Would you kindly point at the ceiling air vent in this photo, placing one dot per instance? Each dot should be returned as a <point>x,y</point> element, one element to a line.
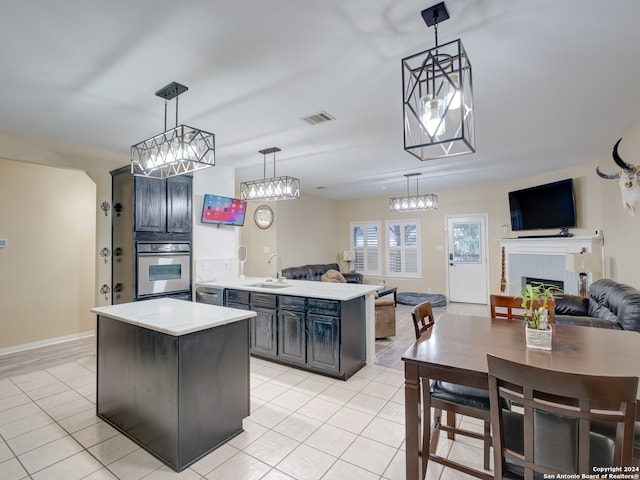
<point>316,118</point>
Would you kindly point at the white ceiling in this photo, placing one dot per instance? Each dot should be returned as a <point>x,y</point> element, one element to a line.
<point>556,82</point>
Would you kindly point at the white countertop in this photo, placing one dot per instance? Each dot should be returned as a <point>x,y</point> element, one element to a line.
<point>298,288</point>
<point>173,317</point>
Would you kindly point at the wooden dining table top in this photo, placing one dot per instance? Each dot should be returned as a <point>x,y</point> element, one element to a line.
<point>461,342</point>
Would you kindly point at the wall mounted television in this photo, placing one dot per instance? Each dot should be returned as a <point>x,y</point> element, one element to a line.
<point>551,205</point>
<point>223,210</point>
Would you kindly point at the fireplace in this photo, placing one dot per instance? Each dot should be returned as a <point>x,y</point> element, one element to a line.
<point>559,284</point>
<point>544,260</point>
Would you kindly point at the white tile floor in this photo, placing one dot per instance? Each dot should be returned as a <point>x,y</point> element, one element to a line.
<point>302,426</point>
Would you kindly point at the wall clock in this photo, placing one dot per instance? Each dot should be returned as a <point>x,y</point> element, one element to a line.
<point>263,216</point>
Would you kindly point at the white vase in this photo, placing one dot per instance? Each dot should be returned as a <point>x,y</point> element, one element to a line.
<point>539,339</point>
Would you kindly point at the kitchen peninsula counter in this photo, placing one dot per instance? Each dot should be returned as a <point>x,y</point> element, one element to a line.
<point>299,288</point>
<point>173,375</point>
<point>280,333</point>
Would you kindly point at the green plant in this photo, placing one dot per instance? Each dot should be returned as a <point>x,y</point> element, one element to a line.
<point>536,293</point>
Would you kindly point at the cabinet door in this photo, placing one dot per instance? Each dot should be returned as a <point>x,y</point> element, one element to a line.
<point>179,204</point>
<point>291,336</point>
<point>150,204</point>
<point>264,338</point>
<point>323,342</point>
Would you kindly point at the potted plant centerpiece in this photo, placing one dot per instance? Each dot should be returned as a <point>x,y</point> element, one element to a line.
<point>535,297</point>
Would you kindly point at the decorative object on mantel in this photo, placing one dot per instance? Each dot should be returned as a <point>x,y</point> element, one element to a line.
<point>438,97</point>
<point>629,180</point>
<point>538,331</point>
<point>411,203</point>
<point>105,207</point>
<point>582,263</point>
<point>105,290</point>
<point>105,253</point>
<point>181,150</point>
<point>349,256</point>
<point>274,188</point>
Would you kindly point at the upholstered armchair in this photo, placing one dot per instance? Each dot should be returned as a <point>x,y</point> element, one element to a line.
<point>385,317</point>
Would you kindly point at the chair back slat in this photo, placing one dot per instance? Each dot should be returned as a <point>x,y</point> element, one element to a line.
<point>423,319</point>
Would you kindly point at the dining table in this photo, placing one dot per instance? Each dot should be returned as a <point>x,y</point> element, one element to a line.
<point>455,350</point>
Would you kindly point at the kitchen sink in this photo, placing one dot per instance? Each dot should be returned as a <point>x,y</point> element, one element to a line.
<point>270,285</point>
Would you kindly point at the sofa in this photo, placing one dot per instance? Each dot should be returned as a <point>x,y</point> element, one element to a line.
<point>609,305</point>
<point>316,271</point>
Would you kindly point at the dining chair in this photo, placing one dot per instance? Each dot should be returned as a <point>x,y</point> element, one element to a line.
<point>552,434</point>
<point>453,399</point>
<point>509,307</point>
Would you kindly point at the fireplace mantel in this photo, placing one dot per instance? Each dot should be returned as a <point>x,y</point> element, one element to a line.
<point>551,245</point>
<point>538,257</point>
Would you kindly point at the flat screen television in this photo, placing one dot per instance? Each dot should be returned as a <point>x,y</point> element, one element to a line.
<point>551,205</point>
<point>223,210</point>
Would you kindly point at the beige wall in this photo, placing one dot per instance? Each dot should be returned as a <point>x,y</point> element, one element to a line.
<point>57,297</point>
<point>304,231</point>
<point>47,271</point>
<point>621,229</point>
<point>490,200</point>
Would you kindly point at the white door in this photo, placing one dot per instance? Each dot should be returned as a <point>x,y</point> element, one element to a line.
<point>467,257</point>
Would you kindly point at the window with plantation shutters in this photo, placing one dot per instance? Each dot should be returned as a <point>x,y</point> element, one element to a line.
<point>403,249</point>
<point>366,243</point>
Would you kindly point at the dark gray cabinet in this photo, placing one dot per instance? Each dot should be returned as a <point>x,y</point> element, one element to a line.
<point>323,342</point>
<point>324,336</point>
<point>323,339</point>
<point>236,299</point>
<point>150,204</point>
<point>179,204</point>
<point>163,205</point>
<point>264,327</point>
<point>178,397</point>
<point>292,330</point>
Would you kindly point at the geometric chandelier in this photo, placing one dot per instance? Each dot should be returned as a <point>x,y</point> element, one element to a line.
<point>274,188</point>
<point>182,149</point>
<point>438,97</point>
<point>412,203</point>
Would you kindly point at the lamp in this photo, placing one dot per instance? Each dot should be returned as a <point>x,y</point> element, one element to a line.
<point>410,203</point>
<point>182,149</point>
<point>349,256</point>
<point>274,188</point>
<point>582,264</point>
<point>438,97</point>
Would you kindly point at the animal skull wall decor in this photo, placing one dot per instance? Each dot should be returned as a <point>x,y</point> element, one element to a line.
<point>629,177</point>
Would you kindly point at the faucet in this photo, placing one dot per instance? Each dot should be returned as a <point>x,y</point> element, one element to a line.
<point>278,266</point>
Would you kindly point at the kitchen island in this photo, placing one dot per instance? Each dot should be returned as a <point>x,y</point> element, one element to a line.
<point>323,327</point>
<point>173,375</point>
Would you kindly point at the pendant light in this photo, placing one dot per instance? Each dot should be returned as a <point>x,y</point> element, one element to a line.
<point>274,188</point>
<point>438,97</point>
<point>182,149</point>
<point>411,203</point>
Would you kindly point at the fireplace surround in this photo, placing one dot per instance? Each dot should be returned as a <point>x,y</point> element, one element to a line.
<point>545,258</point>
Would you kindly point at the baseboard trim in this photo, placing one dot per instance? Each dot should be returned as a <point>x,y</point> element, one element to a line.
<point>46,343</point>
